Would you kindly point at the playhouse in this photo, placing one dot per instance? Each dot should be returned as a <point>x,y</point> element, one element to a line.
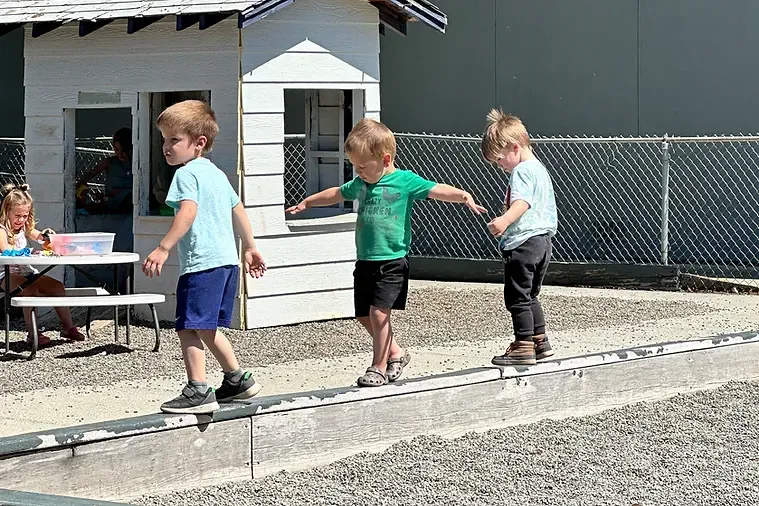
<point>137,57</point>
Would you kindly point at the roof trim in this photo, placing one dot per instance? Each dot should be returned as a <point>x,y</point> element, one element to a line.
<point>253,14</point>
<point>424,11</point>
<point>393,13</point>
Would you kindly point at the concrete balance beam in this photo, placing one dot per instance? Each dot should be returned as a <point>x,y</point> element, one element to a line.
<point>123,459</point>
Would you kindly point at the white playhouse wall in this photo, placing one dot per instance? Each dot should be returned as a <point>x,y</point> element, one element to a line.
<point>312,44</point>
<point>60,64</point>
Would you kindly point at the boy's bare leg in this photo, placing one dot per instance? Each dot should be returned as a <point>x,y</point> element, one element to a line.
<point>381,337</point>
<point>221,349</point>
<point>367,323</point>
<point>194,355</point>
<point>395,350</point>
<point>237,384</point>
<point>196,397</point>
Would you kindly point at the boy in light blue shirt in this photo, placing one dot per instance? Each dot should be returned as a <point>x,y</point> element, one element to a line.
<point>206,212</point>
<point>525,230</point>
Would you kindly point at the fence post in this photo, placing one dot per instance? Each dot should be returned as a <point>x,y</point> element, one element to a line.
<point>665,158</point>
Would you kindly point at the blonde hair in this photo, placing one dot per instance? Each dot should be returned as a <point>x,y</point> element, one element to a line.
<point>371,137</point>
<point>191,117</point>
<point>501,131</point>
<point>13,196</point>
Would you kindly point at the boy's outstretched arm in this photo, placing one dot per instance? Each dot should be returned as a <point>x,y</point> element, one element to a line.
<point>188,210</point>
<point>253,260</point>
<point>448,193</point>
<point>328,197</point>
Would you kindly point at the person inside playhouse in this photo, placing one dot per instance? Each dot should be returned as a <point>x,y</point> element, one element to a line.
<point>117,198</point>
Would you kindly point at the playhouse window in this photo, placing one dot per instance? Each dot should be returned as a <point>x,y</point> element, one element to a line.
<point>316,125</point>
<point>160,172</point>
<point>103,163</point>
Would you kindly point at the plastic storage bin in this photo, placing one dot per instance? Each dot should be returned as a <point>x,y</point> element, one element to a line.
<point>90,243</point>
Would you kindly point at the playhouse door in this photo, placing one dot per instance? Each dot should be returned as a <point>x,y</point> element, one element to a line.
<point>103,179</point>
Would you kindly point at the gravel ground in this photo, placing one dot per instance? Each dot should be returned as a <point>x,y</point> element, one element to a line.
<point>697,449</point>
<point>480,315</point>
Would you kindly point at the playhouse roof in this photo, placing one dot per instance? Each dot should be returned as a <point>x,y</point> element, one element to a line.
<point>46,15</point>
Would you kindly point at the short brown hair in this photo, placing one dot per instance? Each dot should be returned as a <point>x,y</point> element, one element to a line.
<point>191,117</point>
<point>501,131</point>
<point>371,137</point>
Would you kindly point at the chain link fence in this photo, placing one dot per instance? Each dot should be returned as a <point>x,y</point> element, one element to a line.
<point>12,156</point>
<point>89,152</point>
<point>687,201</point>
<point>295,169</point>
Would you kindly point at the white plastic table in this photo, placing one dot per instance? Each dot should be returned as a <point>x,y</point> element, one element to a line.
<point>50,262</point>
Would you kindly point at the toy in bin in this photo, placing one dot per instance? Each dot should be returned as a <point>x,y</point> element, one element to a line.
<point>89,243</point>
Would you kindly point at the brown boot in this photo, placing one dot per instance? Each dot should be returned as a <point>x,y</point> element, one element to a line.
<point>518,353</point>
<point>542,347</point>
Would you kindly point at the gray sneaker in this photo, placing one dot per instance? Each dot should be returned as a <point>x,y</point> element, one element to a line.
<point>190,401</point>
<point>245,389</point>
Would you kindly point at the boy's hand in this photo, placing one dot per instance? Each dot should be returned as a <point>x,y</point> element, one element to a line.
<point>498,226</point>
<point>471,204</point>
<point>296,209</point>
<point>254,263</point>
<point>154,262</point>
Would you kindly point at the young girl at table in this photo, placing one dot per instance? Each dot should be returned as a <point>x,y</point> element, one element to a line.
<point>16,229</point>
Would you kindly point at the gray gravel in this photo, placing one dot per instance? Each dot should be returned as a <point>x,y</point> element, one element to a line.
<point>698,449</point>
<point>479,315</point>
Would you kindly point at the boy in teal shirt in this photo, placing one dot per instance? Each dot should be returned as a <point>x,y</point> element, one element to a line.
<point>385,195</point>
<point>207,213</point>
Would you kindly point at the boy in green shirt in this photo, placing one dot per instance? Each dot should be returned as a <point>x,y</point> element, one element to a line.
<point>385,196</point>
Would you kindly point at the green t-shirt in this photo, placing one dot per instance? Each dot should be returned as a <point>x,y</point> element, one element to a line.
<point>383,227</point>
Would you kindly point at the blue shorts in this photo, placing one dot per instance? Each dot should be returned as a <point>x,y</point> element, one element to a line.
<point>206,299</point>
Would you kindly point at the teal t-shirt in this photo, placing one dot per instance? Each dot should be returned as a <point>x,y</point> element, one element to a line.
<point>383,227</point>
<point>210,242</point>
<point>531,182</point>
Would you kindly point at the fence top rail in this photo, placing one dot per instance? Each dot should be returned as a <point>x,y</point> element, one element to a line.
<point>594,140</point>
<point>94,150</point>
<point>79,139</point>
<point>536,140</point>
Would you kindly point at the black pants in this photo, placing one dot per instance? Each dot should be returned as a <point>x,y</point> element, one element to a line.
<point>524,270</point>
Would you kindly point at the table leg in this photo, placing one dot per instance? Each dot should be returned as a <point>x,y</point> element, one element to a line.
<point>128,308</point>
<point>35,335</point>
<point>116,308</point>
<point>7,300</point>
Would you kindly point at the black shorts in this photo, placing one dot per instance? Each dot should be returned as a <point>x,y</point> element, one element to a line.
<point>382,284</point>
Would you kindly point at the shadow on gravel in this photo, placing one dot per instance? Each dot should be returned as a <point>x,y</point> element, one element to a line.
<point>24,348</point>
<point>106,349</point>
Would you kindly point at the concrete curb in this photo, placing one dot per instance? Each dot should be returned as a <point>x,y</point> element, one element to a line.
<point>122,459</point>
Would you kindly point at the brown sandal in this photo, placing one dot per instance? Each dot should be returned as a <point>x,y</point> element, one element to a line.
<point>372,378</point>
<point>395,366</point>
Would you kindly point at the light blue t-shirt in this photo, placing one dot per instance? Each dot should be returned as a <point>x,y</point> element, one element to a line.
<point>530,182</point>
<point>210,242</point>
